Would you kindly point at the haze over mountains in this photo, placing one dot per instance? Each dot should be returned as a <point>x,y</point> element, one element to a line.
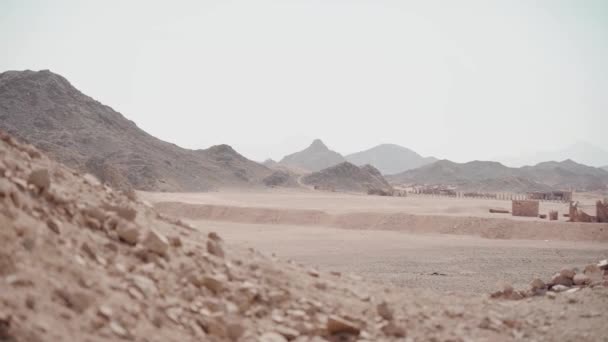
<point>390,158</point>
<point>493,176</point>
<point>44,109</point>
<point>315,157</point>
<point>580,152</point>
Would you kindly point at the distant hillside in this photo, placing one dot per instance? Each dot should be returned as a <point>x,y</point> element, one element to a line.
<point>348,177</point>
<point>493,176</point>
<point>581,152</point>
<point>604,167</point>
<point>315,157</point>
<point>44,109</point>
<point>390,158</point>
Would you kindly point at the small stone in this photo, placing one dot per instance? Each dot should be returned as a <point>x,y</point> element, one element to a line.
<point>272,337</point>
<point>144,284</point>
<point>175,241</point>
<point>214,236</point>
<point>40,179</point>
<point>287,332</point>
<point>5,326</point>
<point>603,264</point>
<point>118,329</point>
<point>75,300</point>
<point>313,273</point>
<point>235,330</point>
<point>156,242</point>
<point>30,302</point>
<point>337,325</point>
<point>559,288</point>
<point>128,232</point>
<point>105,311</point>
<point>567,272</point>
<point>54,225</point>
<point>551,295</point>
<point>335,273</point>
<point>572,290</point>
<point>391,329</point>
<point>384,311</point>
<point>92,180</point>
<point>559,279</point>
<point>537,284</point>
<point>214,248</point>
<point>581,279</point>
<point>214,284</point>
<point>87,250</point>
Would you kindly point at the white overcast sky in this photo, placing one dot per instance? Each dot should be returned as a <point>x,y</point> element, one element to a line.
<point>455,79</point>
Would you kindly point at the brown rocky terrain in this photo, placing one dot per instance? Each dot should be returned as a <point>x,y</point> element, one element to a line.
<point>493,176</point>
<point>83,262</point>
<point>45,110</point>
<point>348,177</point>
<point>390,158</point>
<point>315,157</point>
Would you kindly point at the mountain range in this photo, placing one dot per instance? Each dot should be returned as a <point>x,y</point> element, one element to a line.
<point>581,152</point>
<point>45,110</point>
<point>492,176</point>
<point>387,158</point>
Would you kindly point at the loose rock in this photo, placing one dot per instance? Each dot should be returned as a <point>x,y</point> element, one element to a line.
<point>336,325</point>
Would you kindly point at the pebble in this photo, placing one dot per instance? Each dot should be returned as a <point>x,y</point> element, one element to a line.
<point>155,242</point>
<point>40,179</point>
<point>567,272</point>
<point>118,329</point>
<point>391,329</point>
<point>581,279</point>
<point>54,225</point>
<point>384,311</point>
<point>272,337</point>
<point>559,288</point>
<point>128,232</point>
<point>337,325</point>
<point>214,248</point>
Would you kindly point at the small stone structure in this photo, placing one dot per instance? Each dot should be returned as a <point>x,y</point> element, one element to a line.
<point>553,215</point>
<point>578,215</point>
<point>602,211</point>
<point>524,208</point>
<point>563,196</point>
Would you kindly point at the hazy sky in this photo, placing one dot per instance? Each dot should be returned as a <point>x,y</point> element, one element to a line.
<point>454,79</point>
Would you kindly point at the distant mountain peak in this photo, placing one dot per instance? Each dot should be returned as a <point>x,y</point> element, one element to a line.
<point>389,158</point>
<point>315,157</point>
<point>318,144</point>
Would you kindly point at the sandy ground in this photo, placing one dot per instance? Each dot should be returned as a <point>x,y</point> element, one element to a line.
<point>339,203</point>
<point>421,242</point>
<point>463,264</point>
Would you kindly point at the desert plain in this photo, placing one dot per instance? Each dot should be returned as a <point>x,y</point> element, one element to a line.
<point>452,245</point>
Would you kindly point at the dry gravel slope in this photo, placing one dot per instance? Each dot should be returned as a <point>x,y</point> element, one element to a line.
<point>44,109</point>
<point>83,262</point>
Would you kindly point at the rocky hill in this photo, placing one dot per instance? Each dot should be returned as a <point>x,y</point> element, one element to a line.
<point>390,159</point>
<point>348,177</point>
<point>315,157</point>
<point>44,109</point>
<point>493,176</point>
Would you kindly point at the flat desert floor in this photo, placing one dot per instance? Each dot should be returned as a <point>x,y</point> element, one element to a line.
<point>443,244</point>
